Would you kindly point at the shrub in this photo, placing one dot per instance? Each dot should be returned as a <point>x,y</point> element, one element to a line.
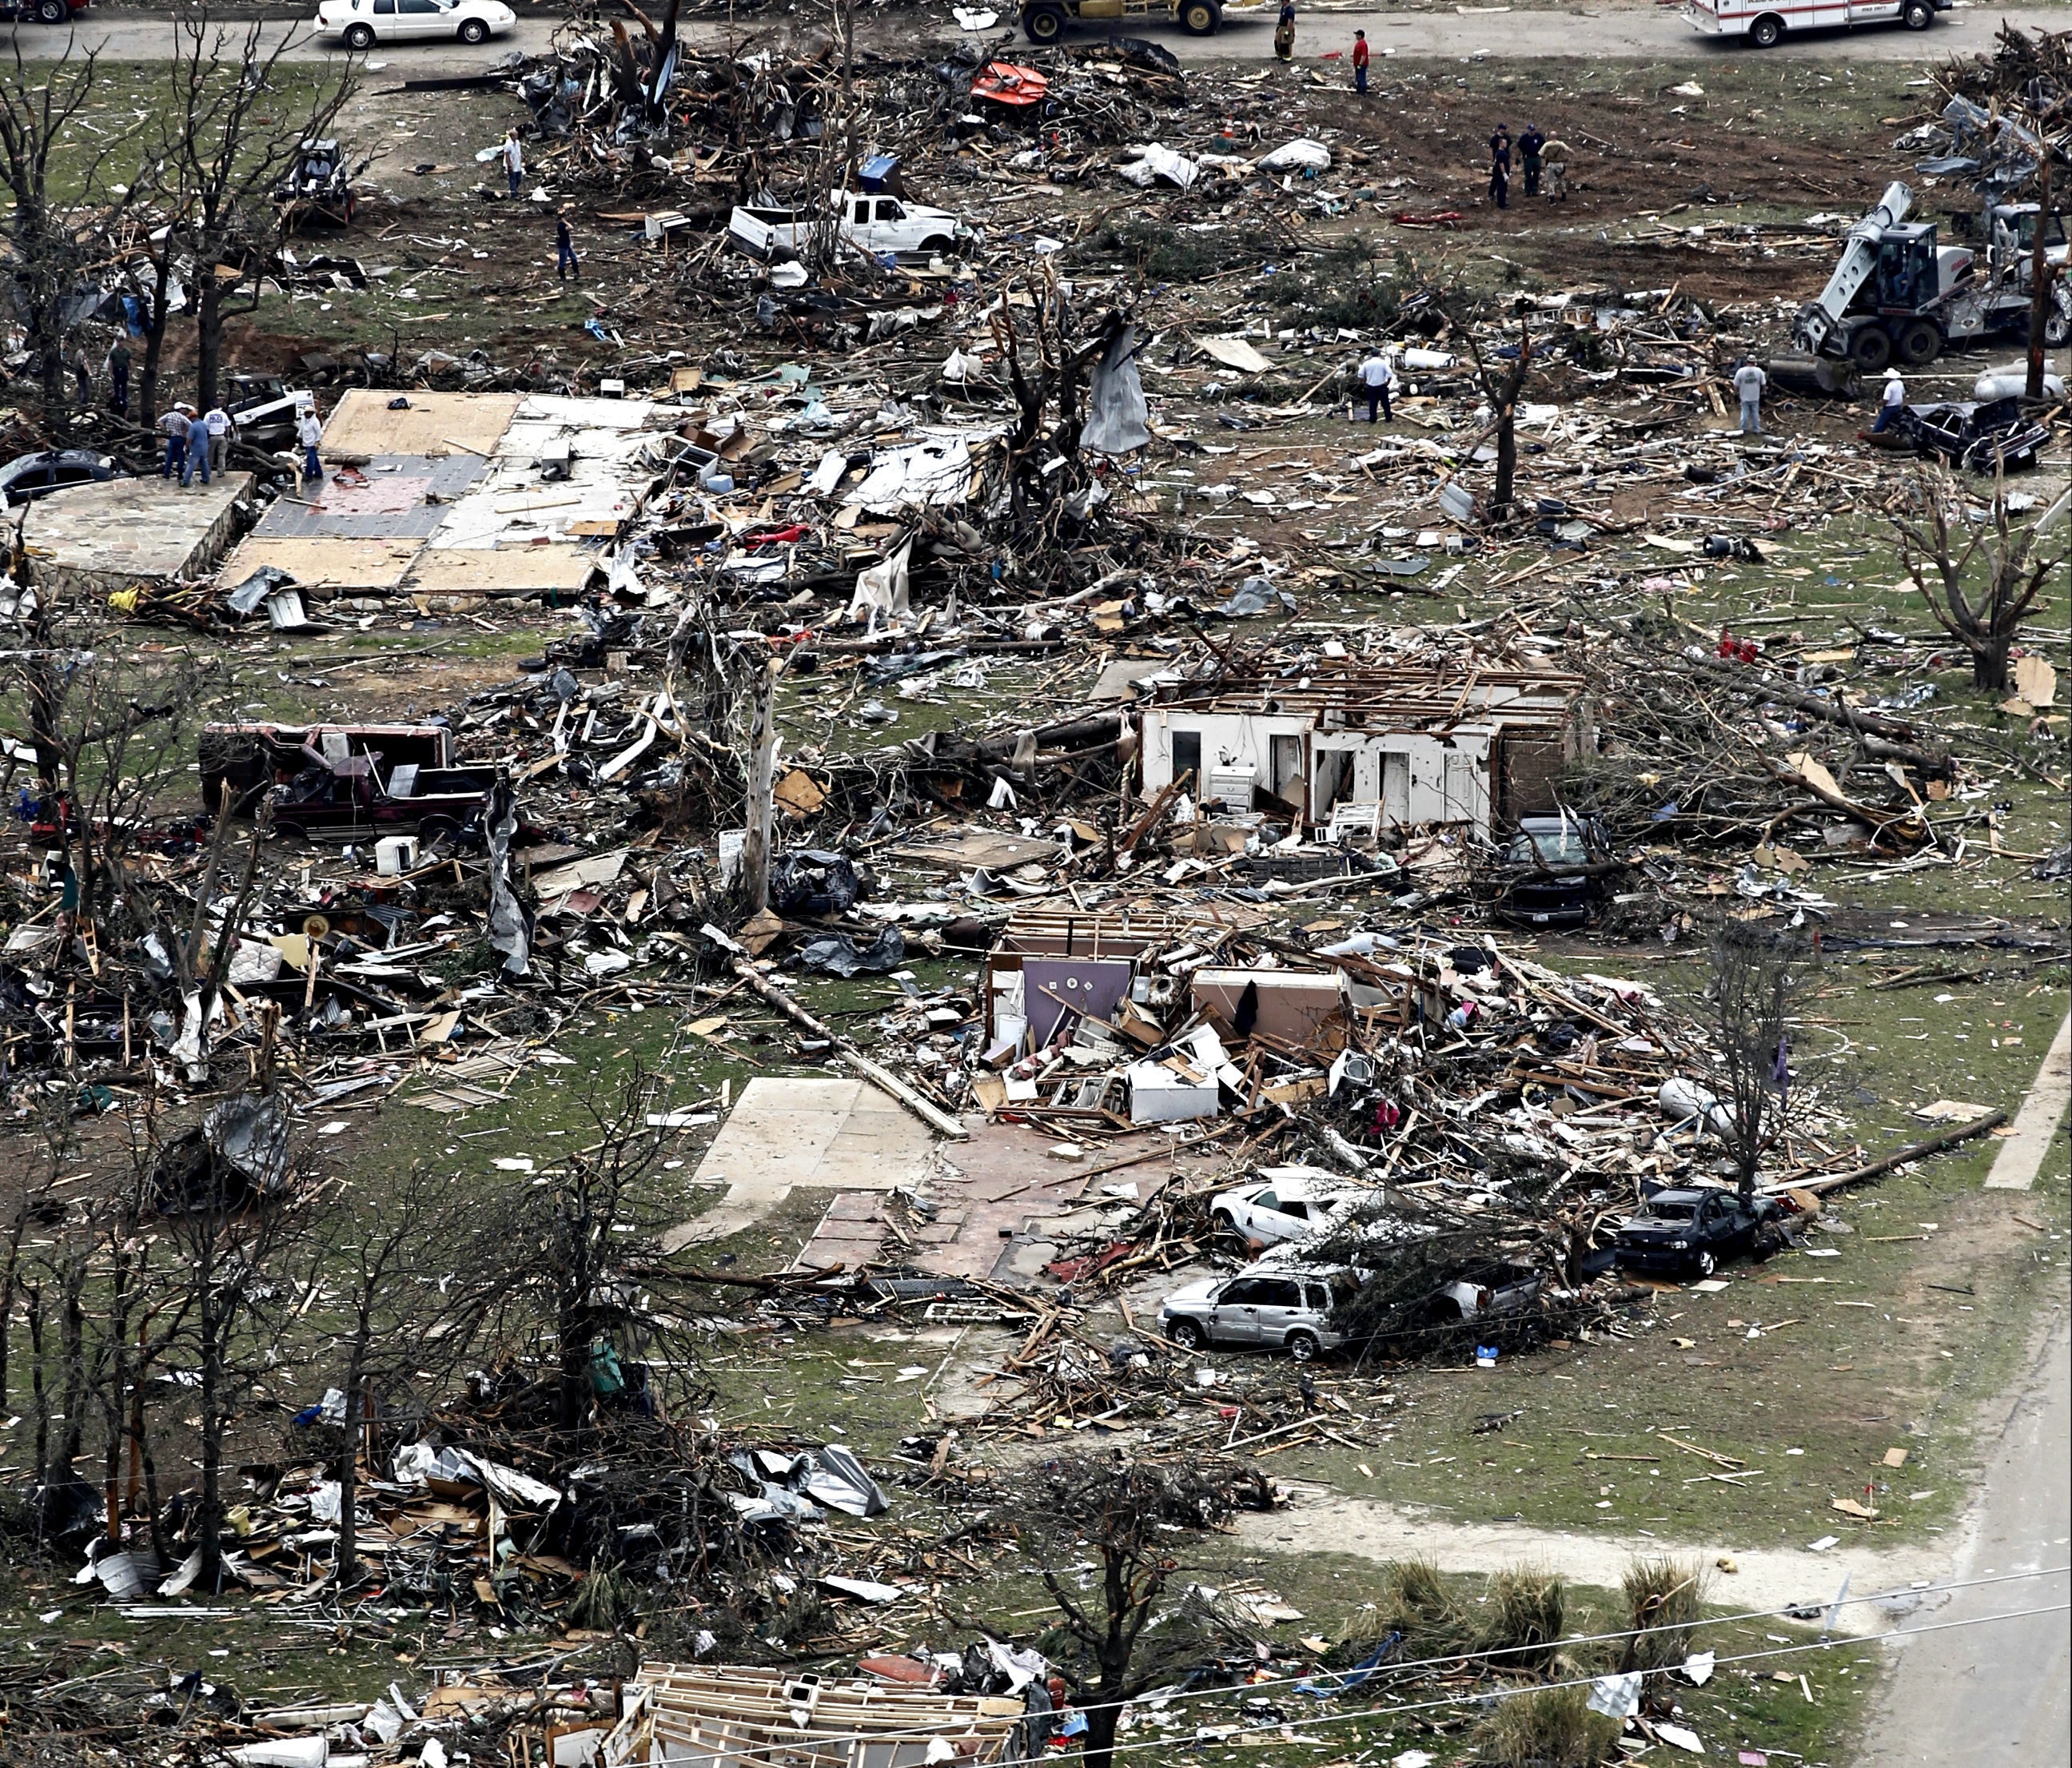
<point>1549,1727</point>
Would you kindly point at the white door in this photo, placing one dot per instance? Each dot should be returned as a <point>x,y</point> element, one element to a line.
<point>419,18</point>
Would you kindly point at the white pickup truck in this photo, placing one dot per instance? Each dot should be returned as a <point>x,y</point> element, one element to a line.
<point>872,223</point>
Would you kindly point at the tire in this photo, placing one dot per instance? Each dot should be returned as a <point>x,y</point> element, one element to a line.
<point>1188,1334</point>
<point>1765,32</point>
<point>1044,24</point>
<point>360,37</point>
<point>473,31</point>
<point>1871,349</point>
<point>1919,344</point>
<point>1917,15</point>
<point>438,835</point>
<point>1707,1265</point>
<point>52,12</point>
<point>1303,1347</point>
<point>1200,17</point>
<point>938,244</point>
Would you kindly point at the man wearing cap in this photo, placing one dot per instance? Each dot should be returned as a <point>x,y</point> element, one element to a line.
<point>1529,146</point>
<point>1749,382</point>
<point>176,423</point>
<point>309,433</point>
<point>1890,402</point>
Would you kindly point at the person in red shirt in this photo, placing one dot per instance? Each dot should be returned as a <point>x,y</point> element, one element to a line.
<point>1359,62</point>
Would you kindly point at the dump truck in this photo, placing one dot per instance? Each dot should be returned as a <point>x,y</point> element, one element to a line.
<point>1044,21</point>
<point>1898,296</point>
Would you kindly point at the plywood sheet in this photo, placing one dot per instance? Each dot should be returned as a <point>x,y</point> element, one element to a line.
<point>477,571</point>
<point>436,423</point>
<point>338,564</point>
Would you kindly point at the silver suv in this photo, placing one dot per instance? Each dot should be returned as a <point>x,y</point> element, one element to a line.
<point>1256,1309</point>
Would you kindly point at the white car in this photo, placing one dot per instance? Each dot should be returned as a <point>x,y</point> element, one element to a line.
<point>361,24</point>
<point>1291,1202</point>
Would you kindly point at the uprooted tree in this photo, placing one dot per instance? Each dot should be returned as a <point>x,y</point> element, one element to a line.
<point>1981,578</point>
<point>1123,1515</point>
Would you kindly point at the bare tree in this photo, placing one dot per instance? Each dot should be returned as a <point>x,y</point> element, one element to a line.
<point>1124,1514</point>
<point>53,239</point>
<point>1755,982</point>
<point>232,138</point>
<point>109,733</point>
<point>580,1249</point>
<point>1502,380</point>
<point>2005,589</point>
<point>407,1273</point>
<point>234,1247</point>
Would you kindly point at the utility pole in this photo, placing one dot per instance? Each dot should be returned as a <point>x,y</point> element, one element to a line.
<point>762,755</point>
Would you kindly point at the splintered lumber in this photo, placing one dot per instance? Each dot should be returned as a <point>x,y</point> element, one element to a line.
<point>930,1113</point>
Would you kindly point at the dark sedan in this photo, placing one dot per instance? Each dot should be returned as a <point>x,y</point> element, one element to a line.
<point>27,477</point>
<point>1684,1233</point>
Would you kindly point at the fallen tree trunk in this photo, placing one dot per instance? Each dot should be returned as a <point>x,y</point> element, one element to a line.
<point>1935,1145</point>
<point>927,1110</point>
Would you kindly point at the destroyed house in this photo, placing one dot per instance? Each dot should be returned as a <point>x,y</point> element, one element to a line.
<point>1485,745</point>
<point>742,1718</point>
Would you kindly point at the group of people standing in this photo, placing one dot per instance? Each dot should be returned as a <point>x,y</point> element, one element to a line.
<point>1538,156</point>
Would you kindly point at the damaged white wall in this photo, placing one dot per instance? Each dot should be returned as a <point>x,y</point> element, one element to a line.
<point>1417,777</point>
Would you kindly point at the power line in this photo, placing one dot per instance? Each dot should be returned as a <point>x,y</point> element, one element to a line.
<point>1489,1697</point>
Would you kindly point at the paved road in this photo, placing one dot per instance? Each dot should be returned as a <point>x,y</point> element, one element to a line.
<point>1995,1696</point>
<point>2022,1155</point>
<point>1645,32</point>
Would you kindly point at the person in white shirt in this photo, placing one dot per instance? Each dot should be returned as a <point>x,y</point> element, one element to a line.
<point>309,433</point>
<point>1749,382</point>
<point>217,422</point>
<point>1889,403</point>
<point>1378,377</point>
<point>514,160</point>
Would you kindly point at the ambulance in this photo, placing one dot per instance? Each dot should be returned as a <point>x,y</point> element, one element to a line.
<point>1764,22</point>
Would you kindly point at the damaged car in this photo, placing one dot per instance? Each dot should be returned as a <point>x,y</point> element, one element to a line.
<point>1689,1233</point>
<point>1255,1310</point>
